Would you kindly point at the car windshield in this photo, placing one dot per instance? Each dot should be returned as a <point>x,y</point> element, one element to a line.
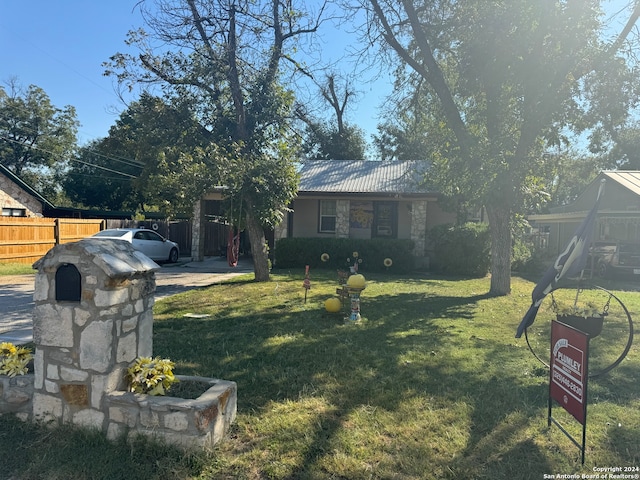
<point>111,233</point>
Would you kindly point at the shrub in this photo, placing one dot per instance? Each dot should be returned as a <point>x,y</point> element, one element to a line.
<point>14,360</point>
<point>153,376</point>
<point>298,252</point>
<point>461,250</point>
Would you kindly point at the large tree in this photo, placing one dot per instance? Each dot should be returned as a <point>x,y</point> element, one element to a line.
<point>226,58</point>
<point>336,139</point>
<point>34,134</point>
<point>120,171</point>
<point>506,79</point>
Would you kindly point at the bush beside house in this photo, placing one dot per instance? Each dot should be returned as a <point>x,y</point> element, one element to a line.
<point>461,250</point>
<point>297,252</point>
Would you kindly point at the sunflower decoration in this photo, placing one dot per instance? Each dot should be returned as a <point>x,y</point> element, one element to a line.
<point>324,257</point>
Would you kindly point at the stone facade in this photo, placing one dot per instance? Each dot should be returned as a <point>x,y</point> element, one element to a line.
<point>16,394</point>
<point>199,422</point>
<point>419,227</point>
<point>89,329</point>
<point>92,318</point>
<point>12,196</point>
<point>197,232</point>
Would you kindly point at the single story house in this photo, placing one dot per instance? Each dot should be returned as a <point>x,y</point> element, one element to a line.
<point>357,199</point>
<point>618,218</point>
<point>18,199</point>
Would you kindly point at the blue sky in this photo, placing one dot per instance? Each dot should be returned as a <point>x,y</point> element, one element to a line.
<point>60,46</point>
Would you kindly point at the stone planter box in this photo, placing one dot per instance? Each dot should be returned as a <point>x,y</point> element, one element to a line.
<point>16,394</point>
<point>93,316</point>
<point>186,423</point>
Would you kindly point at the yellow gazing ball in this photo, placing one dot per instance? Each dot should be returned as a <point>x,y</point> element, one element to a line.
<point>356,281</point>
<point>332,305</point>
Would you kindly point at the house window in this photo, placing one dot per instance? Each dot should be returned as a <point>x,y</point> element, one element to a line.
<point>14,212</point>
<point>385,220</point>
<point>327,218</point>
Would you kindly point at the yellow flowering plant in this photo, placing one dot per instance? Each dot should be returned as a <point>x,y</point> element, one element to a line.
<point>14,360</point>
<point>586,310</point>
<point>152,376</point>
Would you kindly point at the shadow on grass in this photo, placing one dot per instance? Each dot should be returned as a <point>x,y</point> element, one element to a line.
<point>403,352</point>
<point>430,378</point>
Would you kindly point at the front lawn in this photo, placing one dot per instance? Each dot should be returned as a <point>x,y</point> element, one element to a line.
<point>431,384</point>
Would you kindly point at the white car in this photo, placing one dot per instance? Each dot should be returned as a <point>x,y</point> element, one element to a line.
<point>153,245</point>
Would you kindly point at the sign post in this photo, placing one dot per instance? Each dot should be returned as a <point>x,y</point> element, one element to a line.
<point>569,376</point>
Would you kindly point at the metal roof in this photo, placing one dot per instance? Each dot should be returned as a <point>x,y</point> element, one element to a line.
<point>362,176</point>
<point>627,178</point>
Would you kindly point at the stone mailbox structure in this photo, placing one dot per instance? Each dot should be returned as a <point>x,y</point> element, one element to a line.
<point>92,318</point>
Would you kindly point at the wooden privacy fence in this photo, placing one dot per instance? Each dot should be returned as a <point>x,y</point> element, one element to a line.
<point>25,240</point>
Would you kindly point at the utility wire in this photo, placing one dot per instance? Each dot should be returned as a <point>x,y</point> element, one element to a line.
<point>118,158</point>
<point>71,159</point>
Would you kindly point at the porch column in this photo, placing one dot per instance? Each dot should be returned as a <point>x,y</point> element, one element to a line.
<point>419,227</point>
<point>342,218</point>
<point>197,232</point>
<point>280,230</point>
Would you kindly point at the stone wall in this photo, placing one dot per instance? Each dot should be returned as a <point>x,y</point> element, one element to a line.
<point>92,318</point>
<point>199,422</point>
<point>84,347</point>
<point>419,227</point>
<point>16,394</point>
<point>12,196</point>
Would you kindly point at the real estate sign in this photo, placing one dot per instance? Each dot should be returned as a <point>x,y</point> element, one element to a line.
<point>569,366</point>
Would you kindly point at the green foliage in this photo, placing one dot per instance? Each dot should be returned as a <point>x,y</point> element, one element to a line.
<point>16,268</point>
<point>429,385</point>
<point>500,84</point>
<point>34,133</point>
<point>229,74</point>
<point>152,376</point>
<point>461,250</point>
<point>14,360</point>
<point>293,253</point>
<point>144,163</point>
<point>326,142</point>
<point>37,139</point>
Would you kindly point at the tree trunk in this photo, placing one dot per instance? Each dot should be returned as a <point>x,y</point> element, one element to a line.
<point>499,223</point>
<point>259,250</point>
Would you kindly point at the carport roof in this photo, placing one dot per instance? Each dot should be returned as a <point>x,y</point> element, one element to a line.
<point>362,176</point>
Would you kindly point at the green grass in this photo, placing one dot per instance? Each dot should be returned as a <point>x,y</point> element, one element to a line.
<point>431,384</point>
<point>16,269</point>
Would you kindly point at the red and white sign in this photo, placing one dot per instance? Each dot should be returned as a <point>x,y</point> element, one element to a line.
<point>569,365</point>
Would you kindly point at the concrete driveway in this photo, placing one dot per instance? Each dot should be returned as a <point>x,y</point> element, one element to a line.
<point>16,291</point>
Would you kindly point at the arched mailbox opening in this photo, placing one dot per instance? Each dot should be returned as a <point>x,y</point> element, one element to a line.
<point>68,283</point>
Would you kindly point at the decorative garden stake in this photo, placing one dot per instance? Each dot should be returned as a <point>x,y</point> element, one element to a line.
<point>355,284</point>
<point>307,282</point>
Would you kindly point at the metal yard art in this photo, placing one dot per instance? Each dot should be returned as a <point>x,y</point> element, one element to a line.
<point>583,342</point>
<point>579,315</point>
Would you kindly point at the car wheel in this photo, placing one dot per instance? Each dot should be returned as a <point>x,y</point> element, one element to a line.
<point>602,270</point>
<point>173,255</point>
